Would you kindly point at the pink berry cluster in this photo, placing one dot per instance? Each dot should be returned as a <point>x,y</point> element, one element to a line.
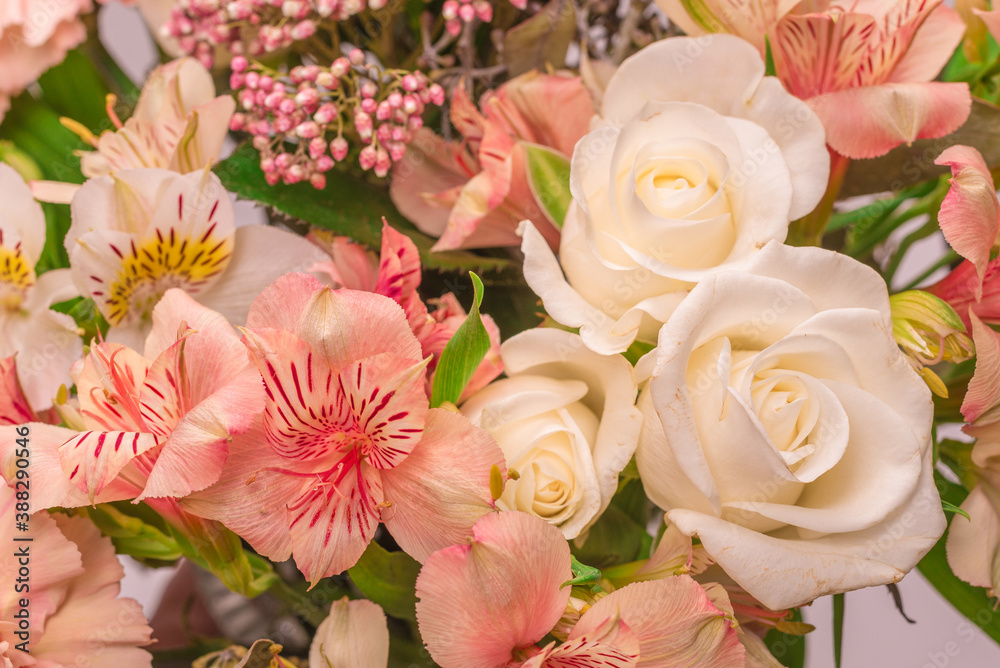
<point>299,120</point>
<point>253,27</point>
<point>459,12</point>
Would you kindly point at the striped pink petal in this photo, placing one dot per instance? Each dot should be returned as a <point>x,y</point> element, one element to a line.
<point>983,394</point>
<point>14,408</point>
<point>92,459</point>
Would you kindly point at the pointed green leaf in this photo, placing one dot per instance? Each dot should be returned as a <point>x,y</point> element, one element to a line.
<point>787,648</point>
<point>461,357</point>
<point>548,178</point>
<point>952,508</point>
<point>389,579</point>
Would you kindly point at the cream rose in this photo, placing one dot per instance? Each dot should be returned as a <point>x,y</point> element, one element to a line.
<point>566,421</point>
<point>785,429</point>
<point>687,173</point>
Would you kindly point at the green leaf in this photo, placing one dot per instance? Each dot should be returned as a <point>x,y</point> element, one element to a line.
<point>548,178</point>
<point>906,166</point>
<point>789,649</point>
<point>541,41</point>
<point>973,602</point>
<point>838,628</point>
<point>217,549</point>
<point>74,89</point>
<point>133,536</point>
<point>952,508</point>
<point>389,579</point>
<point>582,575</point>
<point>769,69</point>
<point>347,206</point>
<point>614,539</point>
<point>462,355</point>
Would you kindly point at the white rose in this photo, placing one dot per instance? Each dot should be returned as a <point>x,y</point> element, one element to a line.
<point>698,160</point>
<point>566,421</point>
<point>785,429</point>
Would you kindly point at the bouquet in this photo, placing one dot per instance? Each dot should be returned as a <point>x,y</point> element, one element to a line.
<point>578,333</point>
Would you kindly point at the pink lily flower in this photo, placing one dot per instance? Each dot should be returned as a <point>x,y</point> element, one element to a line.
<point>32,41</point>
<point>865,67</point>
<point>76,615</point>
<point>474,193</point>
<point>487,602</point>
<point>155,424</point>
<point>140,232</point>
<point>347,439</point>
<point>397,275</point>
<point>45,342</point>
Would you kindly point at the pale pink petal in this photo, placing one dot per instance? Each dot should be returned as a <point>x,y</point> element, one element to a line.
<point>960,288</point>
<point>55,192</point>
<point>353,634</point>
<point>172,90</point>
<point>25,57</point>
<point>14,408</point>
<point>443,487</point>
<point>970,213</point>
<point>499,592</point>
<point>464,115</point>
<point>51,487</point>
<point>992,21</point>
<point>973,544</point>
<point>94,625</point>
<point>483,193</point>
<point>984,388</point>
<point>676,623</point>
<point>549,109</point>
<point>431,166</point>
<point>351,265</point>
<point>332,524</point>
<point>821,53</point>
<point>92,459</point>
<point>399,274</point>
<point>870,121</point>
<point>612,645</point>
<point>283,304</point>
<point>22,222</point>
<point>934,43</point>
<point>112,370</point>
<point>252,495</point>
<point>211,124</point>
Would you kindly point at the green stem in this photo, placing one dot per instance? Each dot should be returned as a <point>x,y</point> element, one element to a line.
<point>838,628</point>
<point>808,230</point>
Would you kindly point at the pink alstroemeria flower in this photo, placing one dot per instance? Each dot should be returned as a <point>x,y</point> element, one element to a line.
<point>866,67</point>
<point>970,220</point>
<point>156,424</point>
<point>347,439</point>
<point>45,342</point>
<point>474,193</point>
<point>397,275</point>
<point>33,39</point>
<point>76,615</point>
<point>487,602</point>
<point>14,406</point>
<point>140,232</point>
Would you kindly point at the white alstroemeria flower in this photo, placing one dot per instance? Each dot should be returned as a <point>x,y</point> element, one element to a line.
<point>566,421</point>
<point>44,342</point>
<point>140,232</point>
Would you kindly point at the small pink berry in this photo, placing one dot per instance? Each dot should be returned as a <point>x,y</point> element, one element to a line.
<point>449,10</point>
<point>437,94</point>
<point>367,157</point>
<point>324,163</point>
<point>340,67</point>
<point>410,83</point>
<point>318,181</point>
<point>368,105</point>
<point>327,80</point>
<point>326,113</point>
<point>466,13</point>
<point>308,130</point>
<point>357,57</point>
<point>252,79</point>
<point>338,148</point>
<point>237,122</point>
<point>368,89</point>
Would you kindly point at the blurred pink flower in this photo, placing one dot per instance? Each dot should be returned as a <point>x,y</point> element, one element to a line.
<point>76,616</point>
<point>867,70</point>
<point>347,439</point>
<point>473,193</point>
<point>34,37</point>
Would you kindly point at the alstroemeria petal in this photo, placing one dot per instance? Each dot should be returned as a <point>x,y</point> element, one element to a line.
<point>481,601</point>
<point>870,121</point>
<point>970,213</point>
<point>51,487</point>
<point>14,408</point>
<point>93,459</point>
<point>22,222</point>
<point>611,645</point>
<point>983,394</point>
<point>332,524</point>
<point>353,634</point>
<point>973,544</point>
<point>676,624</point>
<point>443,487</point>
<point>931,47</point>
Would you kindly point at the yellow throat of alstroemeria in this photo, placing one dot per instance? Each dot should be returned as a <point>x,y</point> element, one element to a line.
<point>16,277</point>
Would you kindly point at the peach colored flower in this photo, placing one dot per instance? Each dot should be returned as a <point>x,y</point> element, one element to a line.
<point>347,438</point>
<point>866,67</point>
<point>473,193</point>
<point>76,616</point>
